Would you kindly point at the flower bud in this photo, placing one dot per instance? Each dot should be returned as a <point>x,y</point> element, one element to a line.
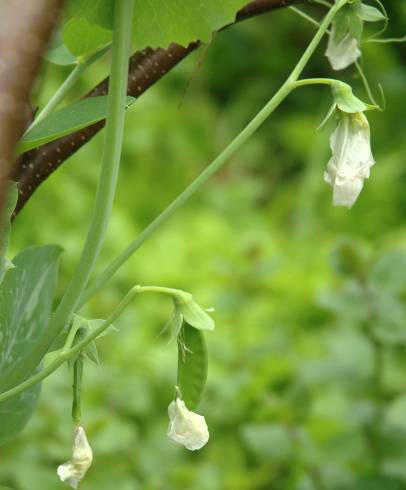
<point>351,158</point>
<point>192,313</point>
<point>75,469</point>
<point>186,427</point>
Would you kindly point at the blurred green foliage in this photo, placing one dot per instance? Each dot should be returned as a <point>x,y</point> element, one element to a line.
<point>307,371</point>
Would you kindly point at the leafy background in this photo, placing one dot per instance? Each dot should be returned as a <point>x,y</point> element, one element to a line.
<point>307,384</point>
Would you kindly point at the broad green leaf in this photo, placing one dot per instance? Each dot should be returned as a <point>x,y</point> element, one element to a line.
<point>5,227</point>
<point>99,12</point>
<point>16,412</point>
<point>83,38</point>
<point>157,23</point>
<point>192,365</point>
<point>60,55</point>
<point>71,118</point>
<point>26,297</point>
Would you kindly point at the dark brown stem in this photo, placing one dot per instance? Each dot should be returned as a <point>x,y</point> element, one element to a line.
<point>25,28</point>
<point>146,68</point>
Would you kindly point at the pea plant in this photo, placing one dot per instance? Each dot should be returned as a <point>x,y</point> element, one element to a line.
<point>35,143</point>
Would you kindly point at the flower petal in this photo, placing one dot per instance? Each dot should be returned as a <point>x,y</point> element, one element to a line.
<point>351,158</point>
<point>75,469</point>
<point>186,427</point>
<point>342,53</point>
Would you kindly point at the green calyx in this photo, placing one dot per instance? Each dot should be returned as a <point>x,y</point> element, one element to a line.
<point>191,312</point>
<point>345,99</point>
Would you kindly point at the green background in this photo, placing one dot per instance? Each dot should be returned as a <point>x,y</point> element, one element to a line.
<point>307,369</point>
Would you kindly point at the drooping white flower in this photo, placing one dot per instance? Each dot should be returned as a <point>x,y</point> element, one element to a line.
<point>351,158</point>
<point>75,469</point>
<point>186,427</point>
<point>342,52</point>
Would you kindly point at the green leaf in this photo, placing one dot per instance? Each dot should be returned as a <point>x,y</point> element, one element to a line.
<point>83,38</point>
<point>16,412</point>
<point>99,12</point>
<point>371,14</point>
<point>5,227</point>
<point>192,365</point>
<point>26,297</point>
<point>157,23</point>
<point>60,55</point>
<point>71,118</point>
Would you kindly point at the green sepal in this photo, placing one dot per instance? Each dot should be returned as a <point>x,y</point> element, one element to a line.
<point>345,99</point>
<point>192,313</point>
<point>371,14</point>
<point>348,20</point>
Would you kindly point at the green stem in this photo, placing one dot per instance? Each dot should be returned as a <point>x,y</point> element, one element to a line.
<point>302,14</point>
<point>65,355</point>
<point>157,289</point>
<point>323,2</point>
<point>71,298</point>
<point>104,196</point>
<point>71,79</point>
<point>230,150</point>
<point>387,40</point>
<point>77,389</point>
<point>314,81</point>
<point>69,351</point>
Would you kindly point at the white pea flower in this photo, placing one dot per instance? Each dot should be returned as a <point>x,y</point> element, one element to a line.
<point>342,53</point>
<point>75,469</point>
<point>186,427</point>
<point>351,158</point>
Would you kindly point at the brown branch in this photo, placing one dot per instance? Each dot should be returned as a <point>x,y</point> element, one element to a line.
<point>25,27</point>
<point>146,68</point>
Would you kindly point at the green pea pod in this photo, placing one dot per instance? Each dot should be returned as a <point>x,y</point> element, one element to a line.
<point>192,365</point>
